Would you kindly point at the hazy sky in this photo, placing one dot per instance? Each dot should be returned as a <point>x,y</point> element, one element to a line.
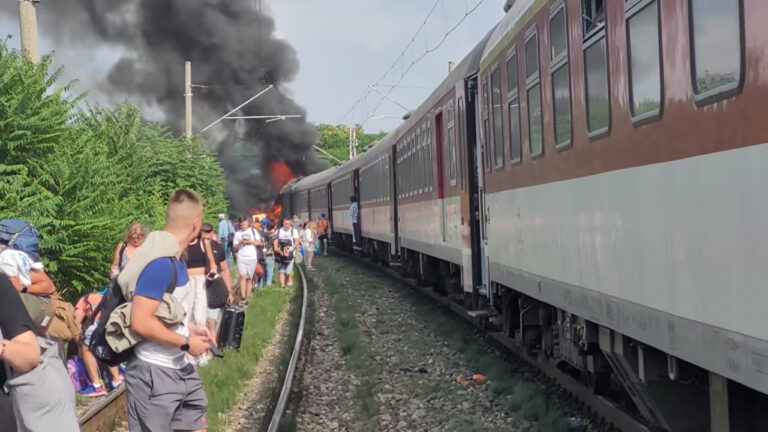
<point>343,46</point>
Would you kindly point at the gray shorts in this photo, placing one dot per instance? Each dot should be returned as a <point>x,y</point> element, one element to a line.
<point>162,399</point>
<point>286,267</point>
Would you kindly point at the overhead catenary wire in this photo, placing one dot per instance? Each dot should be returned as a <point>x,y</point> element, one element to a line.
<point>238,107</point>
<point>467,13</point>
<point>414,61</point>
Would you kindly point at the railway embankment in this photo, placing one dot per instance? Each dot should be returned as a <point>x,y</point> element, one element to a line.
<point>383,359</point>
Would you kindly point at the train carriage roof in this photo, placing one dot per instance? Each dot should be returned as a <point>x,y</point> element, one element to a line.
<point>513,22</point>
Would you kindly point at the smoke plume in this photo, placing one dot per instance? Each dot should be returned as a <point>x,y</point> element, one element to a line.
<point>234,53</point>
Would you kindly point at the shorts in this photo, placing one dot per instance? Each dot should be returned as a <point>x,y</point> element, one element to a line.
<point>162,399</point>
<point>213,314</point>
<point>246,267</point>
<point>286,267</point>
<point>323,236</point>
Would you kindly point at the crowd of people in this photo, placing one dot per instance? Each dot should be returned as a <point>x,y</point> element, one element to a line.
<point>50,349</point>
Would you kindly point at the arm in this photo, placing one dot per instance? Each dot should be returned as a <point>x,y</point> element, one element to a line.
<point>41,283</point>
<point>22,353</point>
<point>227,278</point>
<point>209,256</point>
<point>115,268</point>
<point>146,325</point>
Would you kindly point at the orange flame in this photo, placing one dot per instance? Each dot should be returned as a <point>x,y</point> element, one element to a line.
<point>277,212</point>
<point>280,174</point>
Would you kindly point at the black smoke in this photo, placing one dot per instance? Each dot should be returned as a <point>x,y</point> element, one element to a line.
<point>234,52</point>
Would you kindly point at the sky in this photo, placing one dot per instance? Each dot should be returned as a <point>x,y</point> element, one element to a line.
<point>343,47</point>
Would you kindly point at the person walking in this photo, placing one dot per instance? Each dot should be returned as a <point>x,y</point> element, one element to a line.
<point>226,234</point>
<point>285,243</point>
<point>220,260</point>
<point>164,391</point>
<point>309,243</point>
<point>84,314</point>
<point>135,233</point>
<point>246,242</point>
<point>322,232</point>
<point>268,250</point>
<point>355,216</point>
<point>40,395</point>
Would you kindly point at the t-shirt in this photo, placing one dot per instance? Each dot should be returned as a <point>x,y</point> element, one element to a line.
<point>14,319</point>
<point>283,235</point>
<point>247,251</point>
<point>152,283</point>
<point>353,212</point>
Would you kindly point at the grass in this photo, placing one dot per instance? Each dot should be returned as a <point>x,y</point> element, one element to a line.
<point>523,397</point>
<point>356,354</point>
<point>224,379</point>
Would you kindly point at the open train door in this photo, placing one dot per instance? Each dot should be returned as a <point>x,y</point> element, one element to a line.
<point>476,185</point>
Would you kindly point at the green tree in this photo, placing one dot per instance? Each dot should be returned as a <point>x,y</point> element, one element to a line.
<point>335,140</point>
<point>82,175</point>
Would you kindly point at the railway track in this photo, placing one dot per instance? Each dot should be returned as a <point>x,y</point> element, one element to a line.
<point>104,414</point>
<point>612,416</point>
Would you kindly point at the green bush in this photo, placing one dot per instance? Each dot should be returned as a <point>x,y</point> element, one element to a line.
<point>82,174</point>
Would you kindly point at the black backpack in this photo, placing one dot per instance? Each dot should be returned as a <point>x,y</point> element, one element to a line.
<point>112,299</point>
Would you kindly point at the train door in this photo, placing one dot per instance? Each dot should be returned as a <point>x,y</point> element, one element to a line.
<point>476,180</point>
<point>438,163</point>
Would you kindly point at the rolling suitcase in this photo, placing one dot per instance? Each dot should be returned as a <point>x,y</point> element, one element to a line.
<point>231,327</point>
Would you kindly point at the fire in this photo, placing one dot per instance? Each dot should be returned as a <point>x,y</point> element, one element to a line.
<point>277,212</point>
<point>280,174</point>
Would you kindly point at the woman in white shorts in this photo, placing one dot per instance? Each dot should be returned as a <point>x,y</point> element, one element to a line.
<point>246,243</point>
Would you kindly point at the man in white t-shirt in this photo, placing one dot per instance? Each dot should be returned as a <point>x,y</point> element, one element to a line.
<point>286,242</point>
<point>247,243</point>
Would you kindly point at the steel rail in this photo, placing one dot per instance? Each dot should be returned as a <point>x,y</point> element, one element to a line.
<point>102,412</point>
<point>282,401</point>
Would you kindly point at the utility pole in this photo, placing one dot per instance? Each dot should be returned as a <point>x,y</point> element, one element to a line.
<point>28,24</point>
<point>188,100</point>
<point>352,142</point>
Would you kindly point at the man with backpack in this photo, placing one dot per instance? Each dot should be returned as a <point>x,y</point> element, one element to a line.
<point>322,233</point>
<point>286,243</point>
<point>164,389</point>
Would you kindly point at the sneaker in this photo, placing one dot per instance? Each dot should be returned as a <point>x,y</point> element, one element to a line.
<point>93,391</point>
<point>116,384</point>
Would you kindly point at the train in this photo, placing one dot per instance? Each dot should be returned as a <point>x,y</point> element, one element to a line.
<point>589,179</point>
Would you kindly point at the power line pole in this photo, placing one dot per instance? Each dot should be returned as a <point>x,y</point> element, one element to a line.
<point>28,24</point>
<point>188,99</point>
<point>352,142</point>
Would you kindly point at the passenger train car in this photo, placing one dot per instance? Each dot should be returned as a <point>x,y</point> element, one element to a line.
<point>590,178</point>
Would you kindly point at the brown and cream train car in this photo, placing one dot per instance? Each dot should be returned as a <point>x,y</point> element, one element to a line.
<point>625,158</point>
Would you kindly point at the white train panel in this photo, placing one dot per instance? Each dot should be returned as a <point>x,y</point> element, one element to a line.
<point>432,227</point>
<point>377,223</point>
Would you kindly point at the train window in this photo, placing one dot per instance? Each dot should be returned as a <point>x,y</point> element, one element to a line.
<point>512,75</point>
<point>592,16</point>
<point>498,134</point>
<point>596,74</point>
<point>515,149</point>
<point>486,129</point>
<point>451,140</point>
<point>644,61</point>
<point>533,86</point>
<point>716,46</point>
<point>462,144</point>
<point>561,77</point>
<point>430,164</point>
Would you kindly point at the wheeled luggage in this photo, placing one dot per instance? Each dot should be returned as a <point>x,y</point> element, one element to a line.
<point>231,327</point>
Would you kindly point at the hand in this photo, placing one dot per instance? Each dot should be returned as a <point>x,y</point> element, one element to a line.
<point>198,346</point>
<point>230,298</point>
<point>195,330</point>
<point>3,344</point>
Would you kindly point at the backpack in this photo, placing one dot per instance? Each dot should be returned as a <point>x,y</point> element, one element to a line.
<point>112,299</point>
<point>20,235</point>
<point>78,374</point>
<point>52,315</point>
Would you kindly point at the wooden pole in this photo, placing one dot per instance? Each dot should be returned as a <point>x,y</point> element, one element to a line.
<point>28,25</point>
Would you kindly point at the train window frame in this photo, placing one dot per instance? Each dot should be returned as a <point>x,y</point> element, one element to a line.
<point>450,139</point>
<point>461,107</point>
<point>558,61</point>
<point>430,157</point>
<point>486,124</point>
<point>532,81</point>
<point>725,91</point>
<point>513,97</point>
<point>631,9</point>
<point>591,15</point>
<point>498,142</point>
<point>590,40</point>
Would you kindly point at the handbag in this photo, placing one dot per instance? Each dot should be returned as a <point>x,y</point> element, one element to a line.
<point>215,289</point>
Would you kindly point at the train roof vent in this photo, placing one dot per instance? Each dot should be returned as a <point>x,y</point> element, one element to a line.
<point>508,5</point>
<point>407,115</point>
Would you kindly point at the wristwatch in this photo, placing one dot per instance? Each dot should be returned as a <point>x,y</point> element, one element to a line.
<point>185,346</point>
